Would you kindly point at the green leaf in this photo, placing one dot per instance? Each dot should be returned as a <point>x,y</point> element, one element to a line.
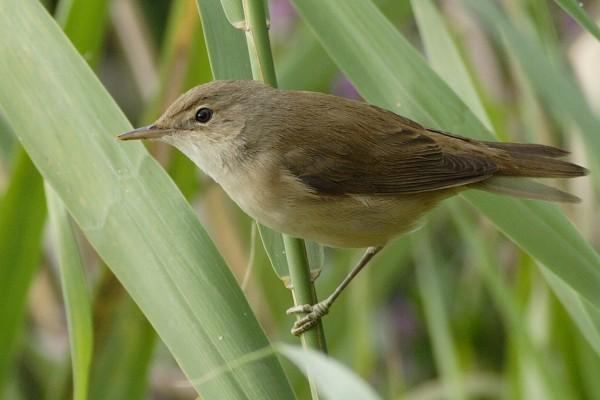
<point>389,72</point>
<point>487,265</point>
<point>445,58</point>
<point>75,293</point>
<point>333,380</point>
<point>125,344</point>
<point>436,314</point>
<point>226,45</point>
<point>128,208</point>
<point>549,75</point>
<point>234,12</point>
<point>22,215</point>
<point>84,25</point>
<point>7,143</point>
<point>305,65</point>
<point>86,36</point>
<point>585,316</point>
<point>576,11</point>
<point>273,243</point>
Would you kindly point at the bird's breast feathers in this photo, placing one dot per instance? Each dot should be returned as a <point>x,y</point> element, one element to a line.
<point>288,205</point>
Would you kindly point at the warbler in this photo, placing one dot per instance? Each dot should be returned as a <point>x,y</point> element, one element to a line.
<point>340,172</point>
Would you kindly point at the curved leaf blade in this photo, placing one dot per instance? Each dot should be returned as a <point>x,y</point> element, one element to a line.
<point>576,11</point>
<point>75,294</point>
<point>333,380</point>
<point>127,207</point>
<point>22,216</point>
<point>388,71</point>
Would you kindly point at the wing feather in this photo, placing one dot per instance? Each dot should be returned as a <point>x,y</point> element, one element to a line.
<point>402,162</point>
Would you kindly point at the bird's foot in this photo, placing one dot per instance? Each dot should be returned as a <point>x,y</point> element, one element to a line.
<point>312,317</point>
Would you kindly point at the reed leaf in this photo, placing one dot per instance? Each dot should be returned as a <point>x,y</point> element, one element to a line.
<point>127,207</point>
<point>22,216</point>
<point>389,72</point>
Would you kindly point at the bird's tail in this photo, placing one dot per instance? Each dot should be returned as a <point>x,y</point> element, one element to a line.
<point>531,161</point>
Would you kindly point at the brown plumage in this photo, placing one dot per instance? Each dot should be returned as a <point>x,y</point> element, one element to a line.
<point>338,171</point>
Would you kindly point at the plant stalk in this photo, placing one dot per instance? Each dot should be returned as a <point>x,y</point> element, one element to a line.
<point>259,45</point>
<point>263,69</point>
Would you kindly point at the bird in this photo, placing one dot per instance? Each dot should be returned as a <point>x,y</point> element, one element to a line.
<point>343,173</point>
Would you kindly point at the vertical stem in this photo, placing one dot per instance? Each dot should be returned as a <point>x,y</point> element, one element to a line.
<point>303,288</point>
<point>263,69</point>
<point>259,45</point>
<point>304,292</point>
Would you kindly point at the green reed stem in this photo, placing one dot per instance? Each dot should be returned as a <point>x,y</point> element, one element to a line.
<point>261,59</point>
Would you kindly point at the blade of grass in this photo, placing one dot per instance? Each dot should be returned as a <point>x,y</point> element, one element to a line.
<point>436,315</point>
<point>227,49</point>
<point>444,57</point>
<point>127,207</point>
<point>549,75</point>
<point>274,243</point>
<point>84,25</point>
<point>502,294</point>
<point>175,53</point>
<point>304,65</point>
<point>333,380</point>
<point>234,12</point>
<point>577,12</point>
<point>75,293</point>
<point>445,60</point>
<point>389,72</point>
<point>123,352</point>
<point>588,362</point>
<point>585,316</point>
<point>84,22</point>
<point>7,144</point>
<point>22,216</point>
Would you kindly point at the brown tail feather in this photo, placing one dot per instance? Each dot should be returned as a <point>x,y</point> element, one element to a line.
<point>536,161</point>
<point>529,149</point>
<point>526,188</point>
<point>517,162</point>
<point>541,167</point>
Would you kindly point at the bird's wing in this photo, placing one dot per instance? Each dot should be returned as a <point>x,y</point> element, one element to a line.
<point>407,160</point>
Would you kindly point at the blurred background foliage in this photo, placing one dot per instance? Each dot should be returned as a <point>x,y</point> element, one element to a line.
<point>452,311</point>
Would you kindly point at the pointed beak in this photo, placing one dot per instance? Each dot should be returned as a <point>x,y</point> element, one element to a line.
<point>145,132</point>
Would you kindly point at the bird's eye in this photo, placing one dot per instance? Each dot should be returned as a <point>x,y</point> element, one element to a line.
<point>203,115</point>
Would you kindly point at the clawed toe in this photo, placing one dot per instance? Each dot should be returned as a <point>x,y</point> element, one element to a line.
<point>312,317</point>
<point>299,309</point>
<point>304,324</point>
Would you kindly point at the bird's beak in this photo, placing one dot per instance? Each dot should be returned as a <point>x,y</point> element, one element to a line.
<point>145,132</point>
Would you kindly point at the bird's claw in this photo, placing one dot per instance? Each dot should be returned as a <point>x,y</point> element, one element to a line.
<point>314,313</point>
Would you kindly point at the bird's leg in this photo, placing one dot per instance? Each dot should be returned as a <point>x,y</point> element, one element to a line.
<point>315,312</point>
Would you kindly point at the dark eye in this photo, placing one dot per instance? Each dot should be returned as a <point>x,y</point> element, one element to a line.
<point>203,115</point>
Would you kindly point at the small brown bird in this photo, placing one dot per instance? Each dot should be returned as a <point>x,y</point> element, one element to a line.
<point>342,173</point>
